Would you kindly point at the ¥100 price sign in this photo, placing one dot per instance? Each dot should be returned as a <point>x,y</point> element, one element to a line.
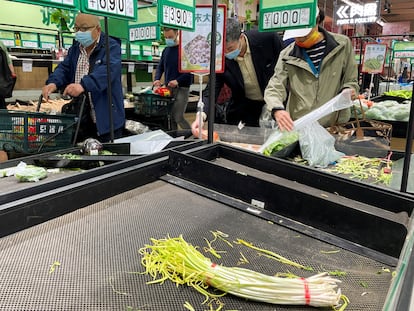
<point>123,9</point>
<point>178,14</point>
<point>287,14</point>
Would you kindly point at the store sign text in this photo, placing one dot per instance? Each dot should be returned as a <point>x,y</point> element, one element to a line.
<point>354,13</point>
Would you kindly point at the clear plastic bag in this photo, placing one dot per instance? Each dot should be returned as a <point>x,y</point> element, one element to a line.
<point>339,102</point>
<point>317,145</point>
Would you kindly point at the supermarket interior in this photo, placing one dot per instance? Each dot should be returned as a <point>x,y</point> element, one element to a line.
<point>125,186</point>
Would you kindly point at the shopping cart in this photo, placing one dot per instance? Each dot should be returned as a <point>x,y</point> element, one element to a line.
<point>154,107</point>
<point>23,132</point>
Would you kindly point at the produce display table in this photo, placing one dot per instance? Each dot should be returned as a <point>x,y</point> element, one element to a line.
<point>83,252</point>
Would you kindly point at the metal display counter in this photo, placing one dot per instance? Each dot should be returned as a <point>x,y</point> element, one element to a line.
<point>319,220</point>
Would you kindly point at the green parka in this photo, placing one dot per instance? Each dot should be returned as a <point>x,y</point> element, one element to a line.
<point>305,90</point>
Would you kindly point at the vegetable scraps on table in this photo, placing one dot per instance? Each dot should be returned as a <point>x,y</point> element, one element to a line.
<point>359,167</point>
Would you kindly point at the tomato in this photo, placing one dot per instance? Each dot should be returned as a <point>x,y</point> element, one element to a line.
<point>163,91</point>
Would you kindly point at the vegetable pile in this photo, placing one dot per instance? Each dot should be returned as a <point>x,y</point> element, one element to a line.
<point>400,93</point>
<point>175,260</point>
<point>389,110</point>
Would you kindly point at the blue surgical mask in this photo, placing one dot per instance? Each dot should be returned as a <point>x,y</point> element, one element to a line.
<point>84,38</point>
<point>170,42</point>
<point>233,54</point>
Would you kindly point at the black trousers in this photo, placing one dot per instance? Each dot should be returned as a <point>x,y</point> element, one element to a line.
<point>3,103</point>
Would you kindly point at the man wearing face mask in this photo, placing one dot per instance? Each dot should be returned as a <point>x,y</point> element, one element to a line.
<point>178,83</point>
<point>250,60</point>
<point>313,69</point>
<point>84,70</point>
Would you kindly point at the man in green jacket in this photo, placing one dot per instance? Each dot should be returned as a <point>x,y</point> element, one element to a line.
<point>313,69</point>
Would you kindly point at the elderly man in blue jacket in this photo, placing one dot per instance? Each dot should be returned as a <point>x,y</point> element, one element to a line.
<point>84,70</point>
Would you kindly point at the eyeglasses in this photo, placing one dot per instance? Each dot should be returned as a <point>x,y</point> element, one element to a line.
<point>83,29</point>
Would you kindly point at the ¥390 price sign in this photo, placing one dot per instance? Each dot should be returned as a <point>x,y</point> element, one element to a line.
<point>123,9</point>
<point>287,14</point>
<point>177,13</point>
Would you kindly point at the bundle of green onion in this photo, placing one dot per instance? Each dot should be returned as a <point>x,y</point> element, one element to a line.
<point>176,260</point>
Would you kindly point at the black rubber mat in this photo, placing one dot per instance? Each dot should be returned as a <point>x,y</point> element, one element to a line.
<point>97,248</point>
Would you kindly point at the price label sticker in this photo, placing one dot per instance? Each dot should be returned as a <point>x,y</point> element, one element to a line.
<point>30,44</point>
<point>27,65</point>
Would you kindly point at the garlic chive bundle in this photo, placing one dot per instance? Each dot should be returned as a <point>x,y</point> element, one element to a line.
<point>176,260</point>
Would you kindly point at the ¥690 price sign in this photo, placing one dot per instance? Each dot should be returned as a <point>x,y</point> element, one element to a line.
<point>124,9</point>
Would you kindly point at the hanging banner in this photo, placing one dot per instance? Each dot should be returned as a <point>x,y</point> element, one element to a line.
<point>374,58</point>
<point>403,49</point>
<point>287,14</point>
<point>195,47</point>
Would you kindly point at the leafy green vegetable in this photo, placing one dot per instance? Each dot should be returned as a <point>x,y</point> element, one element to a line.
<point>30,173</point>
<point>69,156</point>
<point>284,140</point>
<point>400,93</point>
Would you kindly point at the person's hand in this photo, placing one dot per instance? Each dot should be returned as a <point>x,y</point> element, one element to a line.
<point>47,90</point>
<point>173,84</point>
<point>156,84</point>
<point>353,94</point>
<point>74,90</point>
<point>195,126</point>
<point>283,119</point>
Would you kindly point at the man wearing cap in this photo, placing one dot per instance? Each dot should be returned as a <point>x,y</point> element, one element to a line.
<point>310,71</point>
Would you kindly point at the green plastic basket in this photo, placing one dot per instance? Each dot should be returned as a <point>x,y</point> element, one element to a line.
<point>153,105</point>
<point>35,132</point>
